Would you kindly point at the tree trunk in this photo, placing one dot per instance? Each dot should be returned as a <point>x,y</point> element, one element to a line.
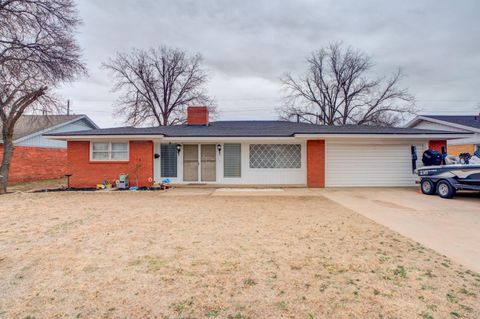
<point>5,167</point>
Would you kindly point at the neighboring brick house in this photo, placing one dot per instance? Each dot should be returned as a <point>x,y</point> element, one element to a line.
<point>249,153</point>
<point>457,123</point>
<point>35,157</point>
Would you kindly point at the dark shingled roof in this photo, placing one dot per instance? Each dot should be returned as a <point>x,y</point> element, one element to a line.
<point>249,129</point>
<point>466,120</point>
<point>29,124</point>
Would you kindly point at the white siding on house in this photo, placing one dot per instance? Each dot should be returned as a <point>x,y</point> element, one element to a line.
<point>374,164</point>
<point>427,125</point>
<point>474,139</point>
<point>38,140</point>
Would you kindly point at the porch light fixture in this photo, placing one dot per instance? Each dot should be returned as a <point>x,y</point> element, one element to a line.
<point>219,148</point>
<point>179,148</point>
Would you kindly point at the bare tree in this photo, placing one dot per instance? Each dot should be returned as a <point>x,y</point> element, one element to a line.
<point>157,85</point>
<point>336,90</point>
<point>37,52</point>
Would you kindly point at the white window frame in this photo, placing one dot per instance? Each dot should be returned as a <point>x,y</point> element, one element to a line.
<point>110,159</point>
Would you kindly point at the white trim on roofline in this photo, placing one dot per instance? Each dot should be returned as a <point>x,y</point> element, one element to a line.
<point>103,137</point>
<point>385,136</point>
<point>471,140</point>
<point>41,132</point>
<point>228,138</point>
<point>429,119</point>
<point>252,138</point>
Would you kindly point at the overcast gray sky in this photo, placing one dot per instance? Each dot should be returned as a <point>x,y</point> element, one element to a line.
<point>247,45</point>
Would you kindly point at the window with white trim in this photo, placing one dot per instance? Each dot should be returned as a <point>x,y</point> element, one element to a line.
<point>275,156</point>
<point>109,151</point>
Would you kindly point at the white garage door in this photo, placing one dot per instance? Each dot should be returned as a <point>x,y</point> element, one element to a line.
<point>370,165</point>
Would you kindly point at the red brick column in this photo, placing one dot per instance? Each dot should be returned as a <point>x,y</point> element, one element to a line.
<point>316,163</point>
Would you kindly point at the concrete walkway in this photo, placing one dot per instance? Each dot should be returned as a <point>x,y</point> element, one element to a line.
<point>451,227</point>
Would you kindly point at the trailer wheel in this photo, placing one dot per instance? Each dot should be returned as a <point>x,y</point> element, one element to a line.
<point>427,186</point>
<point>445,190</point>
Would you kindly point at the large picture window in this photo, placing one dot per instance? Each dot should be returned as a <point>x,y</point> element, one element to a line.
<point>168,160</point>
<point>275,156</point>
<point>232,160</point>
<point>109,151</point>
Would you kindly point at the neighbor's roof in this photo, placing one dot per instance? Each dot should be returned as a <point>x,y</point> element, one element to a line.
<point>247,129</point>
<point>30,124</point>
<point>467,121</point>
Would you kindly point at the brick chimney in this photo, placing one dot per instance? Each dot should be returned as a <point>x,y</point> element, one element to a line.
<point>197,115</point>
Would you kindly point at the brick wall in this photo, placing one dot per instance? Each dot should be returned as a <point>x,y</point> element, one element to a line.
<point>316,163</point>
<point>437,145</point>
<point>36,163</point>
<point>88,174</point>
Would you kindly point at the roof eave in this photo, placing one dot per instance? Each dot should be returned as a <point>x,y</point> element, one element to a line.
<point>387,136</point>
<point>99,137</point>
<point>447,123</point>
<point>42,132</point>
<point>452,135</point>
<point>413,121</point>
<point>89,120</point>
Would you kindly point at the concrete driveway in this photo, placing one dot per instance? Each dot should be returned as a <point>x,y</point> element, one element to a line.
<point>451,227</point>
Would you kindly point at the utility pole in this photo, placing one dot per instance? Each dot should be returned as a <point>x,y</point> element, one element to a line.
<point>298,118</point>
<point>68,107</point>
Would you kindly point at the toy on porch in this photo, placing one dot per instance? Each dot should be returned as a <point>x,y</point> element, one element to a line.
<point>104,185</point>
<point>122,182</point>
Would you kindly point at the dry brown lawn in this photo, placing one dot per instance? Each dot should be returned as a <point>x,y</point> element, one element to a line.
<point>158,255</point>
<point>40,184</point>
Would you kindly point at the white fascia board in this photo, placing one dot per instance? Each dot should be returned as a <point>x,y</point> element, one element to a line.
<point>471,140</point>
<point>89,120</point>
<point>169,138</point>
<point>260,138</point>
<point>429,119</point>
<point>385,136</point>
<point>413,121</point>
<point>232,138</point>
<point>104,137</point>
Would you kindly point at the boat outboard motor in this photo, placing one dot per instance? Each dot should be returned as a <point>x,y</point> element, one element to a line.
<point>432,157</point>
<point>465,158</point>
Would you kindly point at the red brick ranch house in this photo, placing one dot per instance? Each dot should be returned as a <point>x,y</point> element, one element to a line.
<point>249,153</point>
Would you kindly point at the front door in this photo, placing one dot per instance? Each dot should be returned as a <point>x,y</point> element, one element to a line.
<point>208,163</point>
<point>190,163</point>
<point>199,163</point>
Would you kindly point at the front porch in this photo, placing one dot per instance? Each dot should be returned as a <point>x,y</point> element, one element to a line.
<point>255,163</point>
